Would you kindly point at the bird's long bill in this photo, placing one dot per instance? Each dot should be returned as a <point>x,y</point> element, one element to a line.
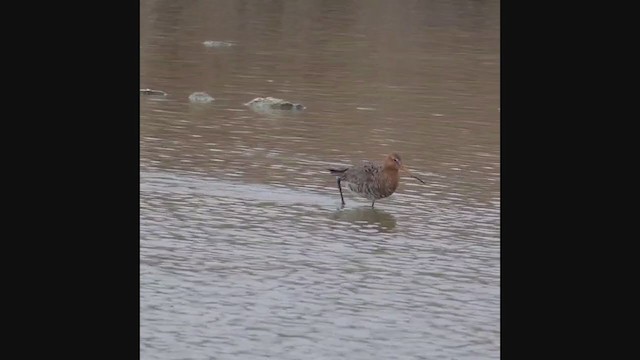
<point>410,174</point>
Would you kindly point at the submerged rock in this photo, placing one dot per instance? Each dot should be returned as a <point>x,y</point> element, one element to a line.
<point>152,92</point>
<point>270,103</point>
<point>200,97</point>
<point>217,44</point>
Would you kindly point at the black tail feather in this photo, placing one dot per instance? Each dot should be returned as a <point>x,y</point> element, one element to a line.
<point>337,171</point>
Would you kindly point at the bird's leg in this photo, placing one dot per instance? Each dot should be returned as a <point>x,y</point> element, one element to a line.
<point>373,202</point>
<point>340,188</point>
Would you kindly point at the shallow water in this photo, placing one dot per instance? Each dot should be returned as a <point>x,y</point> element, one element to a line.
<point>244,251</point>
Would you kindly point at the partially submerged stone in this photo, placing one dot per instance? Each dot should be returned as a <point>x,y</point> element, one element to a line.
<point>200,97</point>
<point>270,103</point>
<point>217,44</point>
<point>152,92</point>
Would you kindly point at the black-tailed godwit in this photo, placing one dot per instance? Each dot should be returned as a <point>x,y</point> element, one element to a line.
<point>372,180</point>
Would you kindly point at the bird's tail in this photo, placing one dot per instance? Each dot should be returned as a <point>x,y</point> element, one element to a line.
<point>337,171</point>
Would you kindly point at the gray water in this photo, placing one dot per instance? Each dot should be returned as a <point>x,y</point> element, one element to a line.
<point>245,253</point>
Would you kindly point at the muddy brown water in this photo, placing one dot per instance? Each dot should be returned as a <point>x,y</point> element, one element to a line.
<point>245,253</point>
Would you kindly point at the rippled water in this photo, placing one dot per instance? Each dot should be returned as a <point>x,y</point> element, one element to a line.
<point>244,251</point>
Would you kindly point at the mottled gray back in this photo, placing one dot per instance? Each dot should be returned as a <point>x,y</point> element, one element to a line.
<point>365,172</point>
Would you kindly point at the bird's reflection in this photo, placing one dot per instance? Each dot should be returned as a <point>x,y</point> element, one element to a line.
<point>367,215</point>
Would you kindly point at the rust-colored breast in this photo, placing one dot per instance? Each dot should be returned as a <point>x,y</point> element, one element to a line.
<point>389,183</point>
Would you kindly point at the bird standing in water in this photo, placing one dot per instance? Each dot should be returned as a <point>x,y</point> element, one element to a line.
<point>372,180</point>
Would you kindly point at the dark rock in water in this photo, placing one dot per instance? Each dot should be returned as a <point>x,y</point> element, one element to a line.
<point>200,97</point>
<point>287,106</point>
<point>270,103</point>
<point>217,44</point>
<point>152,92</point>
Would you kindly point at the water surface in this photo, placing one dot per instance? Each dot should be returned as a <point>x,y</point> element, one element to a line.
<point>244,251</point>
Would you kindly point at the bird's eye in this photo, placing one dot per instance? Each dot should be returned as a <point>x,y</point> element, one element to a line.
<point>396,160</point>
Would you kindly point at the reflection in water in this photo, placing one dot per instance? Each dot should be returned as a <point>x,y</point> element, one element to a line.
<point>367,215</point>
<point>273,113</point>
